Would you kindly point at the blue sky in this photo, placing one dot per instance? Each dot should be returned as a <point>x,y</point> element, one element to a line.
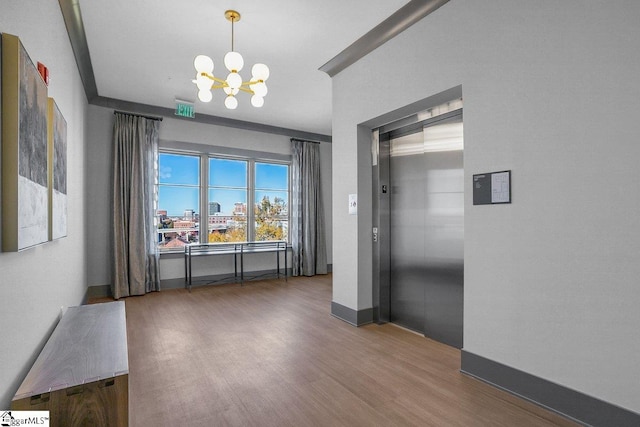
<point>227,177</point>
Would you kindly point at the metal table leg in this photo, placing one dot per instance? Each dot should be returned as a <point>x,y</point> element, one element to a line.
<point>241,266</point>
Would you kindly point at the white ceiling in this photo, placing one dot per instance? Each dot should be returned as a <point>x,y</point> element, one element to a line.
<point>142,51</point>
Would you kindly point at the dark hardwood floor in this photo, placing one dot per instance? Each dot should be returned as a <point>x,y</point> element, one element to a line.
<point>270,354</point>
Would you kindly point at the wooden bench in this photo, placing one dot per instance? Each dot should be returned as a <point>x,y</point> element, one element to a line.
<point>235,249</point>
<point>82,374</point>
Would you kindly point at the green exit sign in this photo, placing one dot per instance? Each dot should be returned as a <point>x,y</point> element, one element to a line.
<point>185,109</point>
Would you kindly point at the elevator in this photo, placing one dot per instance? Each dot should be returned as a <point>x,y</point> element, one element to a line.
<point>419,226</point>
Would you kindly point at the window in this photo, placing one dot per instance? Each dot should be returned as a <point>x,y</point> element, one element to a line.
<point>178,199</point>
<point>271,201</point>
<point>227,211</point>
<point>239,200</point>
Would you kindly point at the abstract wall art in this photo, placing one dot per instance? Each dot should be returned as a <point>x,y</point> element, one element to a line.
<point>57,172</point>
<point>25,176</point>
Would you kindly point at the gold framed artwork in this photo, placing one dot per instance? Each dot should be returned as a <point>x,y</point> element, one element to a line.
<point>57,160</point>
<point>25,175</point>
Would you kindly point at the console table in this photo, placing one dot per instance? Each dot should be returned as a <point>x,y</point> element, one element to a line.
<point>82,374</point>
<point>237,250</point>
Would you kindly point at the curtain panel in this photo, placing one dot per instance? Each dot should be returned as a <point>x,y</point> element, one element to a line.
<point>135,253</point>
<point>307,212</point>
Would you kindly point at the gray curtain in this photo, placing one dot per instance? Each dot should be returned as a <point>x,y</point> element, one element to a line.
<point>135,253</point>
<point>307,212</point>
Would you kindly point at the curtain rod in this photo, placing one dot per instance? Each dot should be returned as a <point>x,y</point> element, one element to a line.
<point>304,140</point>
<point>139,115</point>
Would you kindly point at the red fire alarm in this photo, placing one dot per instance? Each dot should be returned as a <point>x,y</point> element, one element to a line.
<point>44,72</point>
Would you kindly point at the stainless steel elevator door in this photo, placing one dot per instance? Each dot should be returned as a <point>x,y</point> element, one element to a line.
<point>427,231</point>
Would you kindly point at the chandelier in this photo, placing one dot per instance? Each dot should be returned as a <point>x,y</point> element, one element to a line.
<point>206,81</point>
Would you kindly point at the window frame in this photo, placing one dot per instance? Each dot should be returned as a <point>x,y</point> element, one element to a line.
<point>203,212</point>
<point>206,187</point>
<point>253,193</point>
<point>159,184</point>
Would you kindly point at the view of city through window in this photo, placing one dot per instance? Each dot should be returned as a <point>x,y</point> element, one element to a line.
<point>228,192</point>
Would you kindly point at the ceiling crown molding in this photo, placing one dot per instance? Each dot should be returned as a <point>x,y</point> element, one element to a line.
<point>405,17</point>
<point>75,29</point>
<point>78,38</point>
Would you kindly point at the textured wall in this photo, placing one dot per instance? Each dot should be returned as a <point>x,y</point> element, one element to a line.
<point>551,92</point>
<point>36,283</point>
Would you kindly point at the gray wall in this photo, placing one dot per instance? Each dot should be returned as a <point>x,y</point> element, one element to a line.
<point>551,92</point>
<point>36,283</point>
<point>99,154</point>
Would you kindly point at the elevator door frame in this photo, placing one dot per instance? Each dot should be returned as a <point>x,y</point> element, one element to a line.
<point>381,209</point>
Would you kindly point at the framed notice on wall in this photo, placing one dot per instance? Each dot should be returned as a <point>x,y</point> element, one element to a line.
<point>492,188</point>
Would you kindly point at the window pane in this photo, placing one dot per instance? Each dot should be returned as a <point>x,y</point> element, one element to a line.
<point>178,200</point>
<point>227,201</point>
<point>178,216</point>
<point>271,199</point>
<point>178,169</point>
<point>227,173</point>
<point>272,215</point>
<point>227,215</point>
<point>272,176</point>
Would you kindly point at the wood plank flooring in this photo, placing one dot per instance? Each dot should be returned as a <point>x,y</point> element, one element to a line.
<point>270,354</point>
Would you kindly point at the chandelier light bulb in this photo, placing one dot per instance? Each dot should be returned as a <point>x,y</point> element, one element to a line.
<point>260,72</point>
<point>233,61</point>
<point>231,102</point>
<point>257,101</point>
<point>234,80</point>
<point>203,64</point>
<point>205,95</point>
<point>203,82</point>
<point>259,89</point>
